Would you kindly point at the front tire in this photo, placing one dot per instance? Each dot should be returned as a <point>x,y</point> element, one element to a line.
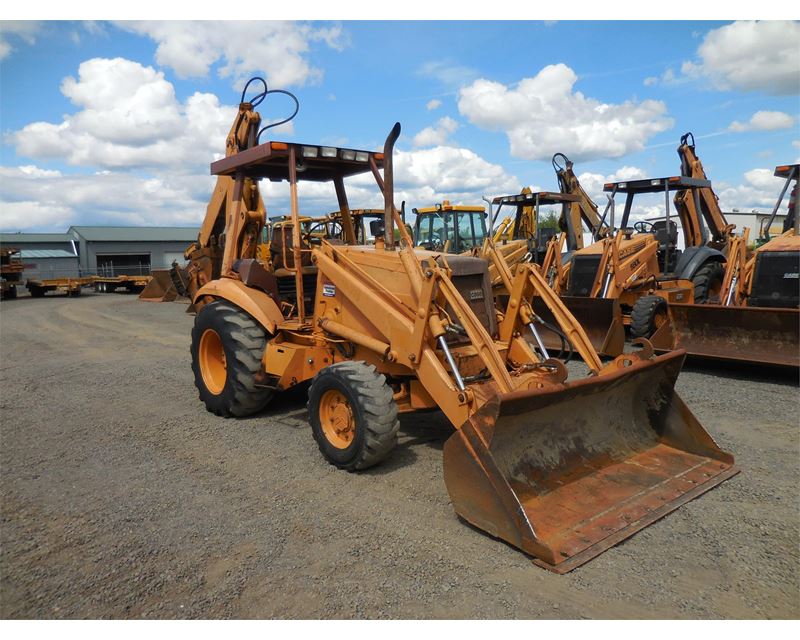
<point>649,314</point>
<point>227,347</point>
<point>708,283</point>
<point>353,415</point>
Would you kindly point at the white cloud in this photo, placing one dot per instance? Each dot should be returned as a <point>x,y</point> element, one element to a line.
<point>276,49</point>
<point>24,30</point>
<point>128,117</point>
<point>437,134</point>
<point>433,104</point>
<point>543,115</point>
<point>650,81</point>
<point>448,72</point>
<point>32,198</point>
<point>750,56</point>
<point>759,190</point>
<point>796,144</point>
<point>764,121</point>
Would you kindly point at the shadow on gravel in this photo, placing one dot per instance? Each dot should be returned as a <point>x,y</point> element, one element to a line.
<point>743,371</point>
<point>424,429</point>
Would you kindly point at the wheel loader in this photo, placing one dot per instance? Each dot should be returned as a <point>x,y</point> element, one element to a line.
<point>755,316</point>
<point>562,469</point>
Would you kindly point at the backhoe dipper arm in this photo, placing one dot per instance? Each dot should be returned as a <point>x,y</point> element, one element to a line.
<point>709,202</point>
<point>582,211</point>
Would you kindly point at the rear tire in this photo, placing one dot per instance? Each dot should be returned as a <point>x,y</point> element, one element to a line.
<point>10,293</point>
<point>227,347</point>
<point>648,314</point>
<point>708,282</point>
<point>37,292</point>
<point>353,415</point>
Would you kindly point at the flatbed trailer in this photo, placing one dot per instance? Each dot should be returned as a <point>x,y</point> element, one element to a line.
<point>70,286</point>
<point>109,284</point>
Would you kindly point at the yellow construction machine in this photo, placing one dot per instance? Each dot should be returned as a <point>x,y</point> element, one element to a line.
<point>562,469</point>
<point>628,275</point>
<point>755,314</point>
<point>11,269</point>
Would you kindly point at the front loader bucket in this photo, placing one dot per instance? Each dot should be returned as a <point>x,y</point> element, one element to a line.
<point>601,319</point>
<point>566,472</point>
<point>761,335</point>
<point>160,288</point>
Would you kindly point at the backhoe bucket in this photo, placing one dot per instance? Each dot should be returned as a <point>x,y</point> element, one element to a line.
<point>600,318</point>
<point>160,288</point>
<point>747,334</point>
<point>566,472</point>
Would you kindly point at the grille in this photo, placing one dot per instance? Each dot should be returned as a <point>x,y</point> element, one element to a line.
<point>288,292</point>
<point>472,289</point>
<point>775,281</point>
<point>582,274</point>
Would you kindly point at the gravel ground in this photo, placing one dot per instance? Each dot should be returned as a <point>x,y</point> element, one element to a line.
<point>123,498</point>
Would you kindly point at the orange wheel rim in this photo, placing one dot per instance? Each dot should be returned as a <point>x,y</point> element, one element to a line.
<point>212,362</point>
<point>336,418</point>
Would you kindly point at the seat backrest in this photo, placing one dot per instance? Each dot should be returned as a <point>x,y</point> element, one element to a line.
<point>663,236</point>
<point>281,244</point>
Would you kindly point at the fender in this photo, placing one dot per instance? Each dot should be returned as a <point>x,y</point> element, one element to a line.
<point>255,302</point>
<point>695,257</point>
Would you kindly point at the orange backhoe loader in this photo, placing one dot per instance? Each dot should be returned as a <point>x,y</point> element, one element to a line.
<point>627,277</point>
<point>755,315</point>
<point>600,318</point>
<point>562,469</point>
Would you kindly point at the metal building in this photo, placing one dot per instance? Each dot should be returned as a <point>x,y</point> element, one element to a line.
<point>45,255</point>
<point>91,250</point>
<point>129,250</point>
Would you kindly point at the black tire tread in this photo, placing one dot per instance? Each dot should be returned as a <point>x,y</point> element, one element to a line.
<point>702,278</point>
<point>380,410</point>
<point>246,341</point>
<point>643,314</point>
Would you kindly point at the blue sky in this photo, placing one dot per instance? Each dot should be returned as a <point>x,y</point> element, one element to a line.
<point>116,123</point>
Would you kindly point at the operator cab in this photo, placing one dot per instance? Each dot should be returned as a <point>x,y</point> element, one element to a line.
<point>296,163</point>
<point>527,225</point>
<point>450,228</point>
<point>665,230</point>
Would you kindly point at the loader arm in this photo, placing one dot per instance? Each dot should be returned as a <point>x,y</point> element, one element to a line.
<point>738,270</point>
<point>621,270</point>
<point>554,271</point>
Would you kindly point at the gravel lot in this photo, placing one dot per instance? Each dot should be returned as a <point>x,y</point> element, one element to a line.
<point>123,498</point>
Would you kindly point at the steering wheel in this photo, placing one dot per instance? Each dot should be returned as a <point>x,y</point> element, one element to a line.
<point>642,226</point>
<point>309,238</point>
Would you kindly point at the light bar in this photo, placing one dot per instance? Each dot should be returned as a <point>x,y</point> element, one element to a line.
<point>328,152</point>
<point>655,183</point>
<point>310,152</point>
<point>362,156</point>
<point>348,154</point>
<point>622,185</point>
